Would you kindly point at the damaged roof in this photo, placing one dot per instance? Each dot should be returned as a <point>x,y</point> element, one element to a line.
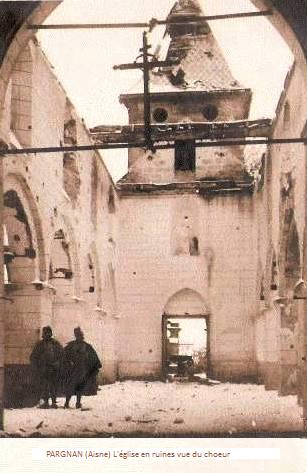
<point>202,66</point>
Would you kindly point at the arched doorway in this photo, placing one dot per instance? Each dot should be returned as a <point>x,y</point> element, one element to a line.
<point>185,337</point>
<point>22,265</point>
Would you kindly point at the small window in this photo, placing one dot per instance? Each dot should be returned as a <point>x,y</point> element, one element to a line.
<point>111,201</point>
<point>210,112</point>
<point>185,156</point>
<point>274,275</point>
<point>160,115</point>
<point>287,116</point>
<point>193,247</point>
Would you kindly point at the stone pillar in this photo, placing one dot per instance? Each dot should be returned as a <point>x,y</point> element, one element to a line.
<point>24,317</point>
<point>2,300</point>
<point>303,324</point>
<point>272,374</point>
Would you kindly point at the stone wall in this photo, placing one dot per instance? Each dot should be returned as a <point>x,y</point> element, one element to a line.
<point>284,202</point>
<point>156,262</point>
<point>59,225</point>
<point>210,163</point>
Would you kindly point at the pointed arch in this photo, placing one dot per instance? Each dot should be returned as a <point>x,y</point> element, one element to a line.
<point>15,183</point>
<point>186,302</point>
<point>292,255</point>
<point>66,246</point>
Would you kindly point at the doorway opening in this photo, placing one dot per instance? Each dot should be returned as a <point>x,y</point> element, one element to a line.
<point>185,347</point>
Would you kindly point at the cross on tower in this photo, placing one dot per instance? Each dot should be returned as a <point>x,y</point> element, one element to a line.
<point>146,66</point>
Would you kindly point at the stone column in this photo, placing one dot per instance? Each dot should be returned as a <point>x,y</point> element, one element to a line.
<point>303,324</point>
<point>2,296</point>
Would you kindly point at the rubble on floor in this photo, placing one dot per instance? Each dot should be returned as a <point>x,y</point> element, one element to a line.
<point>154,409</point>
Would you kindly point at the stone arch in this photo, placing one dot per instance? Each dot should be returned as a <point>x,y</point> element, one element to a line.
<point>60,266</point>
<point>186,302</point>
<point>185,317</point>
<point>18,386</point>
<point>15,35</point>
<point>65,278</point>
<point>69,250</point>
<point>20,255</point>
<point>16,184</point>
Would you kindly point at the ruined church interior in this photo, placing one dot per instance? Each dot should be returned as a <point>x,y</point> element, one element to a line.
<point>192,265</point>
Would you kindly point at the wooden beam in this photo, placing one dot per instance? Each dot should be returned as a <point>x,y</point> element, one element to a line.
<point>147,104</point>
<point>166,145</point>
<point>151,24</point>
<point>183,131</point>
<point>150,65</point>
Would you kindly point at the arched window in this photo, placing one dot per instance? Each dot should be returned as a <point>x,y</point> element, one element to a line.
<point>292,257</point>
<point>193,247</point>
<point>287,116</point>
<point>21,98</point>
<point>111,201</point>
<point>91,271</point>
<point>71,174</point>
<point>60,264</point>
<point>19,253</point>
<point>274,274</point>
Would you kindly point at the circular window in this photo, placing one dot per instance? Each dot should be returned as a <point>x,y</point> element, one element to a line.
<point>160,114</point>
<point>210,112</point>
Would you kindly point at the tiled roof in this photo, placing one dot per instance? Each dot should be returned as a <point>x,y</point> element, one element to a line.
<point>202,66</point>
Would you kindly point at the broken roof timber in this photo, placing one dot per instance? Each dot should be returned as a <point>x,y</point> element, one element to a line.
<point>202,188</point>
<point>183,131</point>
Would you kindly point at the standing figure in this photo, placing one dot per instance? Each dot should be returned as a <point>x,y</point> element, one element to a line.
<point>46,359</point>
<point>81,365</point>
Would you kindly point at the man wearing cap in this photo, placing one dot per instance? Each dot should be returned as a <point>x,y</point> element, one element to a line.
<point>81,365</point>
<point>46,359</point>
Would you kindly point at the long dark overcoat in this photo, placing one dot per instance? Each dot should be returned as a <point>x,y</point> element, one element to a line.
<point>46,358</point>
<point>80,368</point>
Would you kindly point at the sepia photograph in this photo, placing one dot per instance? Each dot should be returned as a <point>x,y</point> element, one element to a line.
<point>154,219</point>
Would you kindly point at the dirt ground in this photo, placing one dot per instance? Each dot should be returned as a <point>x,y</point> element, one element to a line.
<point>156,409</point>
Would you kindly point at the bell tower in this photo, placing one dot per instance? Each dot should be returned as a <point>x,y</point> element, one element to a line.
<point>199,88</point>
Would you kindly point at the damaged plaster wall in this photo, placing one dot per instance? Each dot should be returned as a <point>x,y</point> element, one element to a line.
<point>66,202</point>
<point>156,263</point>
<point>285,187</point>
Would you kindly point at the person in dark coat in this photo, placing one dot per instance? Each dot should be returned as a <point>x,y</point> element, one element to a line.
<point>81,366</point>
<point>46,360</point>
